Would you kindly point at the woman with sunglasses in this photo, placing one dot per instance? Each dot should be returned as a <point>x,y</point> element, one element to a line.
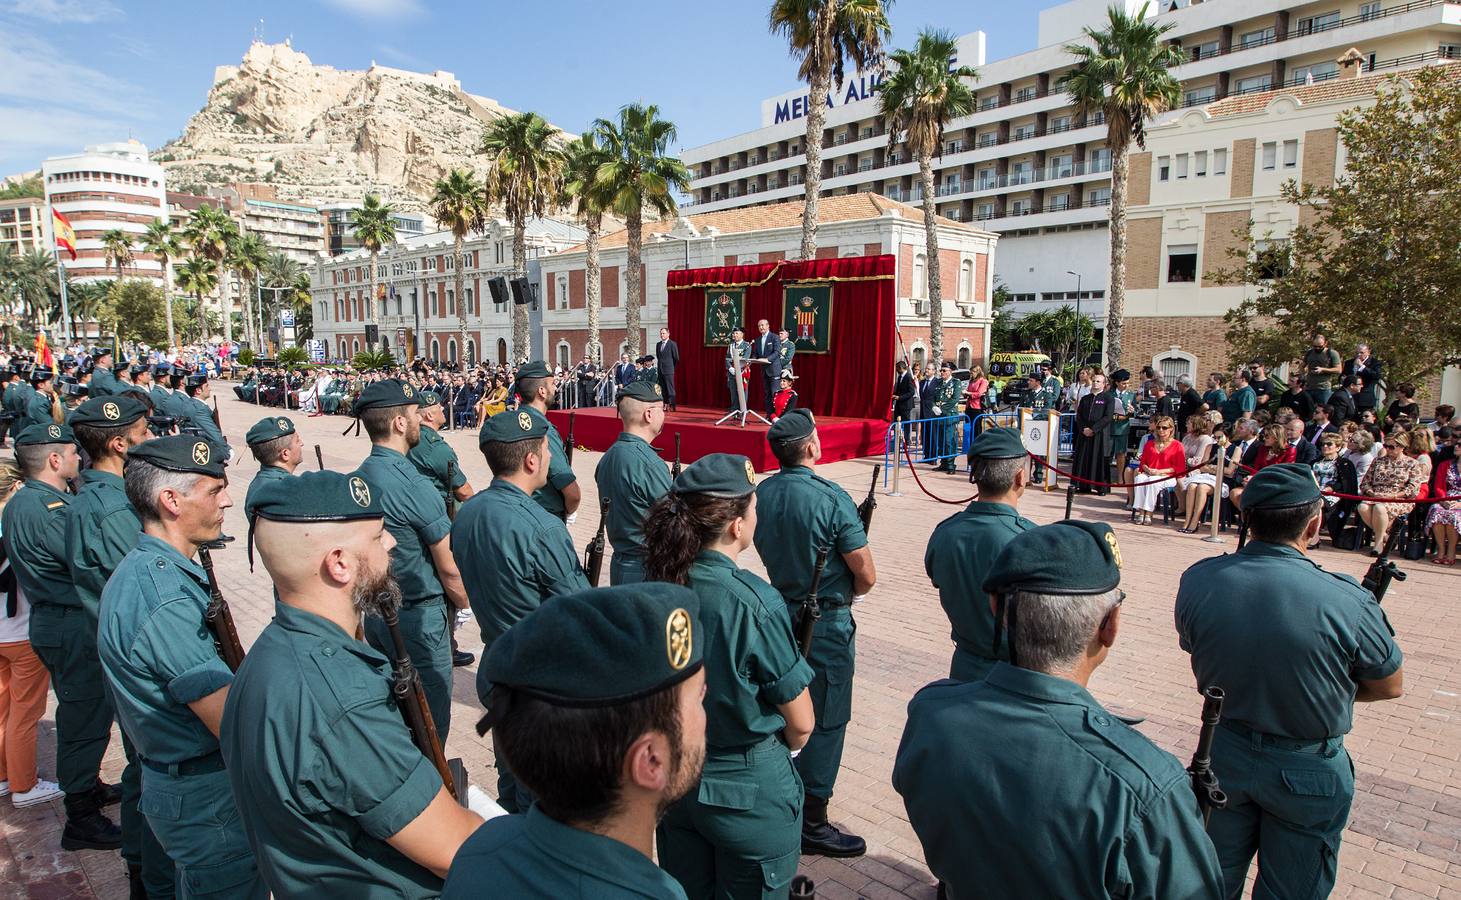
<point>1161,456</point>
<point>1392,474</point>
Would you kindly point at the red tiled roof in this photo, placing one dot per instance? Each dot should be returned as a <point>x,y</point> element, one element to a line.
<point>1325,91</point>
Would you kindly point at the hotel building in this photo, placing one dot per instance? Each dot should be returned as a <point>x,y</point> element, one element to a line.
<point>23,225</point>
<point>108,186</point>
<point>340,226</point>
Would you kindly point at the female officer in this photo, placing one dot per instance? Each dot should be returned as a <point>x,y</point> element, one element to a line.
<point>739,833</point>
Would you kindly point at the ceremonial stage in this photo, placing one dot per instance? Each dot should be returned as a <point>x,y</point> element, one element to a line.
<point>842,438</point>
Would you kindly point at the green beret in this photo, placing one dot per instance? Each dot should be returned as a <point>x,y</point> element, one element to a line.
<point>601,647</point>
<point>796,425</point>
<point>1281,486</point>
<point>510,427</point>
<point>324,496</point>
<point>107,412</point>
<point>1069,557</point>
<point>718,475</point>
<point>997,443</point>
<point>427,398</point>
<point>643,391</point>
<point>266,430</point>
<point>181,453</point>
<point>385,394</point>
<point>535,369</point>
<point>45,433</point>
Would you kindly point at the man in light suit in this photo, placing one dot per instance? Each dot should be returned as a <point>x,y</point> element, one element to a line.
<point>768,348</point>
<point>666,357</point>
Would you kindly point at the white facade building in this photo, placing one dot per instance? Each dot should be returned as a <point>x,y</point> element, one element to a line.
<point>108,186</point>
<point>289,228</point>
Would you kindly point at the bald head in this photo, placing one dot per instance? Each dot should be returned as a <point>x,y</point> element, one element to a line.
<point>324,566</point>
<point>641,417</point>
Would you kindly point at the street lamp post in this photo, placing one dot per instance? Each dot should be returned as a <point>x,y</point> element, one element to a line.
<point>1079,343</point>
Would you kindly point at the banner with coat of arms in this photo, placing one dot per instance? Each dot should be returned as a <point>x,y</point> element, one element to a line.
<point>724,312</point>
<point>807,314</point>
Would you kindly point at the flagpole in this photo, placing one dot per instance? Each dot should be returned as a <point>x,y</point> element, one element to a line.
<point>65,305</point>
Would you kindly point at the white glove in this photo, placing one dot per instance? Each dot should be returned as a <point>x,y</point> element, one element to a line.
<point>937,410</point>
<point>858,598</point>
<point>463,617</point>
<point>795,754</point>
<point>572,518</point>
<point>483,805</point>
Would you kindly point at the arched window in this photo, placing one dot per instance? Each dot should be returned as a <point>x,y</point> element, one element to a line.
<point>431,303</point>
<point>562,352</point>
<point>471,311</point>
<point>471,349</point>
<point>502,351</point>
<point>435,350</point>
<point>920,356</point>
<point>1174,363</point>
<point>851,251</point>
<point>355,347</point>
<point>966,280</point>
<point>920,276</point>
<point>451,302</point>
<point>343,352</point>
<point>965,356</point>
<point>451,350</point>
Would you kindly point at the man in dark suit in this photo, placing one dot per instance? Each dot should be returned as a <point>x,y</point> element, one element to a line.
<point>1320,426</point>
<point>624,371</point>
<point>1304,452</point>
<point>768,347</point>
<point>666,357</point>
<point>1368,372</point>
<point>1341,402</point>
<point>904,392</point>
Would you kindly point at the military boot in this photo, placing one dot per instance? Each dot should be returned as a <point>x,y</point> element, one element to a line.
<point>106,794</point>
<point>136,887</point>
<point>822,838</point>
<point>86,827</point>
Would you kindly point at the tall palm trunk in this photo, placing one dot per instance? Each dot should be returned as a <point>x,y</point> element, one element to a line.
<point>816,116</point>
<point>592,278</point>
<point>227,310</point>
<point>461,308</point>
<point>202,318</point>
<point>247,310</point>
<point>632,281</point>
<point>172,338</point>
<point>520,343</point>
<point>373,319</point>
<point>935,287</point>
<point>1116,302</point>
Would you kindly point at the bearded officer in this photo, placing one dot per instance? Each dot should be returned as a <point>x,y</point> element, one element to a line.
<point>62,630</point>
<point>798,511</point>
<point>598,704</point>
<point>963,548</point>
<point>1114,810</point>
<point>560,494</point>
<point>513,554</point>
<point>276,444</point>
<point>165,674</point>
<point>336,799</point>
<point>421,561</point>
<point>1294,647</point>
<point>631,477</point>
<point>433,457</point>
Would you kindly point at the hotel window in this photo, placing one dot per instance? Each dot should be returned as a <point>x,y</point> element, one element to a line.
<point>1258,38</point>
<point>1058,202</point>
<point>1322,71</point>
<point>1061,167</point>
<point>1370,10</point>
<point>1311,24</point>
<point>1220,161</point>
<point>1270,156</point>
<point>1164,168</point>
<point>1099,197</point>
<point>986,212</point>
<point>1204,50</point>
<point>1023,132</point>
<point>1199,164</point>
<point>1446,51</point>
<point>1290,154</point>
<point>1181,263</point>
<point>1254,84</point>
<point>1020,207</point>
<point>1199,96</point>
<point>1100,160</point>
<point>1181,165</point>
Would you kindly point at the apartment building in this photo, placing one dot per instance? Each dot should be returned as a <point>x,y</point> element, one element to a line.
<point>1025,164</point>
<point>23,225</point>
<point>340,226</point>
<point>294,230</point>
<point>107,186</point>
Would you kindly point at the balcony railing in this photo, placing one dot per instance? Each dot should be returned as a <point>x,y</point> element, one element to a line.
<point>1032,210</point>
<point>1398,62</point>
<point>1295,33</point>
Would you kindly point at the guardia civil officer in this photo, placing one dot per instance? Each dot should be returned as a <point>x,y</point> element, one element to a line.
<point>1294,647</point>
<point>513,553</point>
<point>165,675</point>
<point>631,477</point>
<point>422,560</point>
<point>739,833</point>
<point>740,348</point>
<point>1022,784</point>
<point>193,406</point>
<point>62,631</point>
<point>945,404</point>
<point>598,705</point>
<point>433,456</point>
<point>560,494</point>
<point>162,392</point>
<point>963,548</point>
<point>336,799</point>
<point>103,379</point>
<point>798,511</point>
<point>101,529</point>
<point>276,444</point>
<point>40,406</point>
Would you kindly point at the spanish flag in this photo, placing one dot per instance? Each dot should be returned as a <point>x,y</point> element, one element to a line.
<point>65,234</point>
<point>44,357</point>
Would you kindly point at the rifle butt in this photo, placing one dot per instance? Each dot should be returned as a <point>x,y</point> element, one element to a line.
<point>320,457</point>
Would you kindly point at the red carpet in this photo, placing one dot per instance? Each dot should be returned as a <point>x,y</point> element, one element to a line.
<point>597,428</point>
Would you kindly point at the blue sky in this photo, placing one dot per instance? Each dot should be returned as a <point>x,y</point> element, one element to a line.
<point>74,72</point>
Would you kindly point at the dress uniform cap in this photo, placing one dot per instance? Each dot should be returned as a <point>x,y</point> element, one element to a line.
<point>323,496</point>
<point>997,443</point>
<point>601,647</point>
<point>42,373</point>
<point>268,429</point>
<point>1121,375</point>
<point>384,394</point>
<point>798,424</point>
<point>45,433</point>
<point>181,453</point>
<point>718,475</point>
<point>427,398</point>
<point>137,368</point>
<point>535,369</point>
<point>643,391</point>
<point>1070,557</point>
<point>510,427</point>
<point>99,352</point>
<point>197,380</point>
<point>107,412</point>
<point>1280,487</point>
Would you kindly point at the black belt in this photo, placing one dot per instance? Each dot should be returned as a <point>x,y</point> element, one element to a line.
<point>1296,745</point>
<point>198,765</point>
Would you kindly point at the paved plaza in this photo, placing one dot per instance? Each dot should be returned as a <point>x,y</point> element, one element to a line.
<point>1404,836</point>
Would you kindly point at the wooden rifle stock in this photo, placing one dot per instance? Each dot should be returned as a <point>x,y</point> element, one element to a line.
<point>568,444</point>
<point>811,611</point>
<point>1204,780</point>
<point>870,502</point>
<point>411,700</point>
<point>217,423</point>
<point>593,558</point>
<point>320,457</point>
<point>219,618</point>
<point>676,468</point>
<point>1383,571</point>
<point>451,494</point>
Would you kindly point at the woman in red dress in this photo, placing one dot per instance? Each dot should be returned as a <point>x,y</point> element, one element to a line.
<point>785,399</point>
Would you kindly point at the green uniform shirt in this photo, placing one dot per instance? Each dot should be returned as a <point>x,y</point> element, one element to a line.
<point>960,553</point>
<point>648,374</point>
<point>945,398</point>
<point>265,475</point>
<point>322,765</point>
<point>535,855</point>
<point>752,664</point>
<point>162,401</point>
<point>34,525</point>
<point>104,383</point>
<point>631,477</point>
<point>157,653</point>
<point>745,348</point>
<point>560,473</point>
<point>1120,427</point>
<point>37,410</point>
<point>798,511</point>
<point>1285,639</point>
<point>415,517</point>
<point>101,529</point>
<point>788,350</point>
<point>200,416</point>
<point>1004,776</point>
<point>430,457</point>
<point>17,395</point>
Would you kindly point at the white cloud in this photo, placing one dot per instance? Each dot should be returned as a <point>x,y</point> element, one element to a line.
<point>63,11</point>
<point>32,70</point>
<point>400,57</point>
<point>379,9</point>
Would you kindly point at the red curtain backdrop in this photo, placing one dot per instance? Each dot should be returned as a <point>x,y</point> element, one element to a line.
<point>854,380</point>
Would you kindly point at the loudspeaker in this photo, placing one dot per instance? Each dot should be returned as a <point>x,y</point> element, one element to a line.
<point>497,284</point>
<point>522,291</point>
<point>372,334</point>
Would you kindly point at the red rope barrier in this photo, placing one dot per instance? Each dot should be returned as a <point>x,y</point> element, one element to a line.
<point>1117,484</point>
<point>919,481</point>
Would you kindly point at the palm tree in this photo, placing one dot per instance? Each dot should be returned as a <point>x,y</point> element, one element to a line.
<point>583,191</point>
<point>824,35</point>
<point>459,204</point>
<point>279,273</point>
<point>209,233</point>
<point>638,173</point>
<point>117,245</point>
<point>1123,73</point>
<point>247,256</point>
<point>199,276</point>
<point>35,279</point>
<point>374,229</point>
<point>160,241</point>
<point>918,99</point>
<point>84,300</point>
<point>525,175</point>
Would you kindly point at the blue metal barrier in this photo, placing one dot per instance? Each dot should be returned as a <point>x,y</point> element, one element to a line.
<point>1067,434</point>
<point>927,440</point>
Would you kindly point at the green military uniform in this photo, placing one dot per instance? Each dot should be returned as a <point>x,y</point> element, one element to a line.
<point>434,458</point>
<point>744,348</point>
<point>560,472</point>
<point>631,477</point>
<point>738,833</point>
<point>38,409</point>
<point>159,657</point>
<point>263,431</point>
<point>1002,776</point>
<point>104,382</point>
<point>1121,421</point>
<point>1288,642</point>
<point>961,551</point>
<point>199,415</point>
<point>322,765</point>
<point>946,406</point>
<point>788,350</point>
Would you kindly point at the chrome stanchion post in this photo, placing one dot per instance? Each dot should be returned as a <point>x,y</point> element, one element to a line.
<point>897,457</point>
<point>1217,495</point>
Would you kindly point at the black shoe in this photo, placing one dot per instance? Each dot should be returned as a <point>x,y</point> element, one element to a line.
<point>461,658</point>
<point>106,794</point>
<point>91,832</point>
<point>823,839</point>
<point>136,887</point>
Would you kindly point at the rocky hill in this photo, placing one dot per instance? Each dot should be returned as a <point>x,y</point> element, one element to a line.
<point>320,134</point>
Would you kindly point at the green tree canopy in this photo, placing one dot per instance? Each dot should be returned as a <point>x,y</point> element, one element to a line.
<point>135,308</point>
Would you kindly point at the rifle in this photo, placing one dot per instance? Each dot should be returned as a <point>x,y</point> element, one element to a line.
<point>219,618</point>
<point>811,611</point>
<point>216,422</point>
<point>568,445</point>
<point>869,503</point>
<point>803,888</point>
<point>411,700</point>
<point>593,557</point>
<point>451,496</point>
<point>320,457</point>
<point>676,468</point>
<point>1204,780</point>
<point>1382,571</point>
